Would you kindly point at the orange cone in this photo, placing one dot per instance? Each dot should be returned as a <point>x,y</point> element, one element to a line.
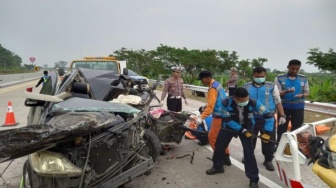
<point>10,119</point>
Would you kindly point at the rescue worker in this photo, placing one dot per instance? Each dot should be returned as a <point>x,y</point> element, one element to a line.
<point>294,88</point>
<point>173,86</point>
<point>204,127</point>
<point>232,83</point>
<point>43,79</point>
<point>239,121</point>
<point>266,93</point>
<point>216,94</point>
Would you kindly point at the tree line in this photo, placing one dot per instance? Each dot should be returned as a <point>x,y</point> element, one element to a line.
<point>160,61</point>
<point>9,61</point>
<point>153,63</point>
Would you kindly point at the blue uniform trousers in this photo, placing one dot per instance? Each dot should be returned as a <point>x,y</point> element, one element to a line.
<point>223,140</point>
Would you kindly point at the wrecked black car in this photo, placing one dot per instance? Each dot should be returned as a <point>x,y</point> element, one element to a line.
<point>75,137</point>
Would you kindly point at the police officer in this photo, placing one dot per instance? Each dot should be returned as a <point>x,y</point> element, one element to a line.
<point>266,93</point>
<point>216,94</point>
<point>43,79</point>
<point>294,89</point>
<point>173,86</point>
<point>239,121</point>
<point>233,81</point>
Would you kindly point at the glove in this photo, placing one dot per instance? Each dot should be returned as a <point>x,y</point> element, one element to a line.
<point>265,137</point>
<point>199,121</point>
<point>282,120</point>
<point>186,102</point>
<point>247,133</point>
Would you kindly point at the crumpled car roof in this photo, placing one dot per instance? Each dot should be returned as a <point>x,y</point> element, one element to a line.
<point>99,80</point>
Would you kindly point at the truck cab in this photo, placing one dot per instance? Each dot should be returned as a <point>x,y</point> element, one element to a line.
<point>99,63</point>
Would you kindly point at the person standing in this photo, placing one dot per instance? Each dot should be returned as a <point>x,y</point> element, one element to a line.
<point>266,93</point>
<point>43,79</point>
<point>238,122</point>
<point>216,94</point>
<point>233,81</point>
<point>173,86</point>
<point>294,88</point>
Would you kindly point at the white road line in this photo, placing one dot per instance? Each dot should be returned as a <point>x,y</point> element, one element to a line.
<point>262,179</point>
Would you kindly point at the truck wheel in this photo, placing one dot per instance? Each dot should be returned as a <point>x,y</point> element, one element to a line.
<point>153,145</point>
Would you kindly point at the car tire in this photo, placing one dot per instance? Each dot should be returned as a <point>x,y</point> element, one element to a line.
<point>153,144</point>
<point>26,177</point>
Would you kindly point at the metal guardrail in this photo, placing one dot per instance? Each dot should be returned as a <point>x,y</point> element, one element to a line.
<point>318,107</point>
<point>323,108</point>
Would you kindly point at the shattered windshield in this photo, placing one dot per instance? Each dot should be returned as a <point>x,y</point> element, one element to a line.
<point>89,105</point>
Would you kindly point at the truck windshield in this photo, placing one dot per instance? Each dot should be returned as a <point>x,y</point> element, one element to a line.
<point>96,65</point>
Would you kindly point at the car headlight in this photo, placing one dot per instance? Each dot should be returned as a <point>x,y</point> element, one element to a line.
<point>332,160</point>
<point>51,164</point>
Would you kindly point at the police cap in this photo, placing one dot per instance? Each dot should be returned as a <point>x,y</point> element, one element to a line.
<point>176,69</point>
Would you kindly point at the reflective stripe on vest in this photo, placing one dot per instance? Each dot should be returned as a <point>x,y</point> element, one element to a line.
<point>45,78</point>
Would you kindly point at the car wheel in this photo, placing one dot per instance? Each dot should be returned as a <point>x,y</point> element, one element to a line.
<point>153,145</point>
<point>26,178</point>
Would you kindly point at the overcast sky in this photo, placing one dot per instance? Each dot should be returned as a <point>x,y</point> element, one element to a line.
<point>278,30</point>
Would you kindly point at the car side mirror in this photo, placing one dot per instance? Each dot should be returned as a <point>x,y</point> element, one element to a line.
<point>125,71</point>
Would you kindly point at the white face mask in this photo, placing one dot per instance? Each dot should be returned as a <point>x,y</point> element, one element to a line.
<point>259,80</point>
<point>243,103</point>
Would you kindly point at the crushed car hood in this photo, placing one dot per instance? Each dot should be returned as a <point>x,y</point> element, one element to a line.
<point>72,118</point>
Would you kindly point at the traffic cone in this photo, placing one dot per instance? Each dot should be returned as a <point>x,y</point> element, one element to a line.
<point>10,119</point>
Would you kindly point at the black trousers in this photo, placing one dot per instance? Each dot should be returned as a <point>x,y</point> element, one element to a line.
<point>223,140</point>
<point>174,104</point>
<point>295,116</point>
<point>266,148</point>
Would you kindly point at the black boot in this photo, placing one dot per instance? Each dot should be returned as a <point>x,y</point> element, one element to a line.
<point>269,166</point>
<point>254,185</point>
<point>227,160</point>
<point>213,171</point>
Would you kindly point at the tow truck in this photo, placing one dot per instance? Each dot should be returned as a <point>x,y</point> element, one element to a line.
<point>100,63</point>
<point>292,165</point>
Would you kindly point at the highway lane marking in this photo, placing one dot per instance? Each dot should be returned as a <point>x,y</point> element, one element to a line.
<point>240,165</point>
<point>10,88</point>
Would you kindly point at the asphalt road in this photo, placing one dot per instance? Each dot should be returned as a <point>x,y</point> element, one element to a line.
<point>168,172</point>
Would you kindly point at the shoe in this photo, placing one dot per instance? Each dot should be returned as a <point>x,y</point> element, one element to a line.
<point>254,185</point>
<point>202,144</point>
<point>227,160</point>
<point>269,166</point>
<point>213,171</point>
<point>243,160</point>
